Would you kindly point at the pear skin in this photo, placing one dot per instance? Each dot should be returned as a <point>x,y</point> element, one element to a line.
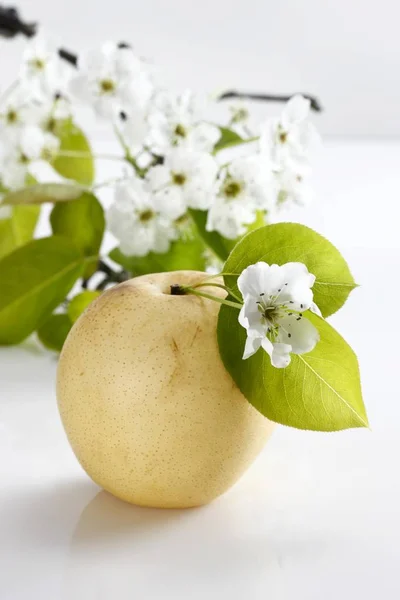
<point>149,409</point>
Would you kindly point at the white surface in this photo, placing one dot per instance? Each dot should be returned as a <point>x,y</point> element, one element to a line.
<point>317,516</point>
<point>348,53</point>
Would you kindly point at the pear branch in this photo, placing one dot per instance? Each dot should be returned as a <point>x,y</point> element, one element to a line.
<point>233,94</point>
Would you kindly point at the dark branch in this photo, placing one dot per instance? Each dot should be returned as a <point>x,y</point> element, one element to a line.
<point>315,103</point>
<point>111,276</point>
<point>68,56</point>
<point>11,24</point>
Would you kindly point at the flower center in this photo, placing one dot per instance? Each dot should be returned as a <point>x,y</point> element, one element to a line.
<point>146,215</point>
<point>38,63</point>
<point>232,189</point>
<point>107,86</point>
<point>283,137</point>
<point>12,116</point>
<point>180,131</point>
<point>178,178</point>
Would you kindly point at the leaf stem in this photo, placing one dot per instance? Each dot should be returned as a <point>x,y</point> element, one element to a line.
<point>138,170</point>
<point>218,285</point>
<point>214,298</point>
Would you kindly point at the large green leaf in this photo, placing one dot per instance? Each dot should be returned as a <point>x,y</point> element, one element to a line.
<point>17,229</point>
<point>79,168</point>
<point>43,192</point>
<point>81,220</point>
<point>80,303</point>
<point>291,242</point>
<point>319,390</point>
<point>54,331</point>
<point>228,139</point>
<point>34,280</point>
<point>185,253</point>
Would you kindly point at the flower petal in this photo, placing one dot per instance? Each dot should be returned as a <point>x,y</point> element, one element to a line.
<point>295,111</point>
<point>251,347</point>
<point>299,332</point>
<point>280,357</point>
<point>250,318</point>
<point>260,280</point>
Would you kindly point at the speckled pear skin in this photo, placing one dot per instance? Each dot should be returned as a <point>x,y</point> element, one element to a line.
<point>148,407</point>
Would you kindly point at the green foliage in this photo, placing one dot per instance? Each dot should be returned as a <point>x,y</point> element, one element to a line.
<point>43,192</point>
<point>319,390</point>
<point>18,229</point>
<point>80,303</point>
<point>228,139</point>
<point>34,280</point>
<point>54,331</point>
<point>291,242</point>
<point>81,220</point>
<point>79,168</point>
<point>185,253</point>
<point>218,244</point>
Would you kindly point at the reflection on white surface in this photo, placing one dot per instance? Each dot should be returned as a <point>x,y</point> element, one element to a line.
<point>317,516</point>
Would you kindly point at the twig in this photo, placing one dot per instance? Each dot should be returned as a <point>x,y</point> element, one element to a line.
<point>315,103</point>
<point>11,24</point>
<point>111,275</point>
<point>68,56</point>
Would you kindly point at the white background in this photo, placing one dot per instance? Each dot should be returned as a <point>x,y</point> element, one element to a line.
<point>345,52</point>
<point>317,516</point>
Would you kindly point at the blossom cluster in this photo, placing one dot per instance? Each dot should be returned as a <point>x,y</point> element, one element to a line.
<point>172,149</point>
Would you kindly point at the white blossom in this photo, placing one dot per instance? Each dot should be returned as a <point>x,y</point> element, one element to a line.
<point>19,110</point>
<point>245,186</point>
<point>275,300</point>
<point>32,145</point>
<point>112,79</point>
<point>138,222</point>
<point>133,128</point>
<point>291,137</point>
<point>294,186</point>
<point>186,179</point>
<point>178,121</point>
<point>42,69</point>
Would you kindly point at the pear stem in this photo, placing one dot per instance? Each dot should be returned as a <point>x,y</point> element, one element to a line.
<point>177,290</point>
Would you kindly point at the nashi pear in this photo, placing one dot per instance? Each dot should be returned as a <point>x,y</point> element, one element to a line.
<point>148,407</point>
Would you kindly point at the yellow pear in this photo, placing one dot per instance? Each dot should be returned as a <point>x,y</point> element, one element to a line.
<point>147,404</point>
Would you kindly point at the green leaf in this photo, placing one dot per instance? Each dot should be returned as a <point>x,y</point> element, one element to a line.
<point>80,303</point>
<point>43,192</point>
<point>319,390</point>
<point>185,253</point>
<point>18,229</point>
<point>228,139</point>
<point>291,242</point>
<point>54,331</point>
<point>80,169</point>
<point>34,280</point>
<point>219,245</point>
<point>82,220</point>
